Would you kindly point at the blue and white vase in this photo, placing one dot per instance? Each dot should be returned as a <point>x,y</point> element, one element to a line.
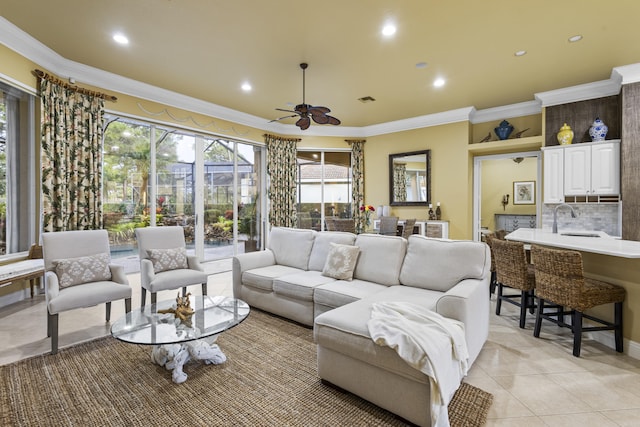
<point>598,130</point>
<point>504,130</point>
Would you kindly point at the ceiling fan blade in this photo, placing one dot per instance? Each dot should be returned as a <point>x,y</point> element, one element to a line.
<point>282,118</point>
<point>287,111</point>
<point>303,123</point>
<point>318,110</point>
<point>321,119</point>
<point>333,120</point>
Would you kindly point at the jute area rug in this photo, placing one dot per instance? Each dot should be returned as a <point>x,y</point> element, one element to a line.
<point>269,379</point>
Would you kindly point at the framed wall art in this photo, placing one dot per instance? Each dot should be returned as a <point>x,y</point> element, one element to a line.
<point>524,192</point>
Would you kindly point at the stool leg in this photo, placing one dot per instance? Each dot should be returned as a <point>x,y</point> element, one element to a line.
<point>524,298</point>
<point>577,332</point>
<point>618,325</point>
<point>536,329</point>
<point>499,299</point>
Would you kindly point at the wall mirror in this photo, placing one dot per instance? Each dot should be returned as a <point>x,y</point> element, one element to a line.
<point>410,178</point>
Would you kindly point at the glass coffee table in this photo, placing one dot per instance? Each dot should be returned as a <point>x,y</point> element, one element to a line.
<point>176,342</point>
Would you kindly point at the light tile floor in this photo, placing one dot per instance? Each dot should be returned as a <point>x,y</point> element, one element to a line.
<point>534,381</point>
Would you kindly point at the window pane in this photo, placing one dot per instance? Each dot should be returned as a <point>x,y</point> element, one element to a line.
<point>125,184</point>
<point>324,187</point>
<point>17,183</point>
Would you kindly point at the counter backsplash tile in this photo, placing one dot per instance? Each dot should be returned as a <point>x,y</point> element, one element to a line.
<point>591,216</point>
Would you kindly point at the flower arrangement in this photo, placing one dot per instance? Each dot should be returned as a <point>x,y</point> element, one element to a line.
<point>367,209</point>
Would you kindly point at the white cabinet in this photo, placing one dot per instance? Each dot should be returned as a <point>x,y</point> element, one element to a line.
<point>586,169</point>
<point>553,180</point>
<point>592,169</point>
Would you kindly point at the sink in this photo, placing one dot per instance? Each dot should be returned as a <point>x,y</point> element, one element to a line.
<point>578,234</point>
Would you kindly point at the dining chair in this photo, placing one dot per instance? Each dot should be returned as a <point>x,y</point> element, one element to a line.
<point>78,274</point>
<point>407,227</point>
<point>164,263</point>
<point>389,225</point>
<point>561,286</point>
<point>513,271</point>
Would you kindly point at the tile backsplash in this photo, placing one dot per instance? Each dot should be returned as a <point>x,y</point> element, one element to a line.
<point>590,216</point>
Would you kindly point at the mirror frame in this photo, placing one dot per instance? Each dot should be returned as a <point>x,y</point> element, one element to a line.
<point>392,157</point>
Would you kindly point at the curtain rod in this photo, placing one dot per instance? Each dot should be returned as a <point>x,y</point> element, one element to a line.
<point>53,79</point>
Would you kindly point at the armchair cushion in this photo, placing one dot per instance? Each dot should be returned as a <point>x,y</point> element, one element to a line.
<point>341,261</point>
<point>168,259</point>
<point>76,271</point>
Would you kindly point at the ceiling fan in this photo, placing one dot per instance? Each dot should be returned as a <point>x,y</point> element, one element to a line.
<point>307,112</point>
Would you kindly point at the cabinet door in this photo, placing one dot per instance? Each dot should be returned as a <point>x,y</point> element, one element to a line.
<point>605,169</point>
<point>553,184</point>
<point>577,170</point>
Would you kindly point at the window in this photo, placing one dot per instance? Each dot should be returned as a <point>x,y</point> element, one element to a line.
<point>324,187</point>
<point>17,182</point>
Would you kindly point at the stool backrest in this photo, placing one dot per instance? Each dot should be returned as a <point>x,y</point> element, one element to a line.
<point>559,275</point>
<point>511,264</point>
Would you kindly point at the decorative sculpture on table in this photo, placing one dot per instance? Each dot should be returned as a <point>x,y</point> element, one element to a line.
<point>182,311</point>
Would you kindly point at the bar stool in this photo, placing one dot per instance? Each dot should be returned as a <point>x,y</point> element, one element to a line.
<point>489,238</point>
<point>513,271</point>
<point>560,281</point>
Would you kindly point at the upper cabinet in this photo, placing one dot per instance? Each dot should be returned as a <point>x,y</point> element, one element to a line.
<point>588,169</point>
<point>553,180</point>
<point>592,169</point>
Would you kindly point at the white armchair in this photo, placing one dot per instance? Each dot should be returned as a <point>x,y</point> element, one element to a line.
<point>79,273</point>
<point>164,263</point>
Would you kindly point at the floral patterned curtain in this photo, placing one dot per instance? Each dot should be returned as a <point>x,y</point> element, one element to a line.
<point>281,168</point>
<point>357,175</point>
<point>71,158</point>
<point>399,182</point>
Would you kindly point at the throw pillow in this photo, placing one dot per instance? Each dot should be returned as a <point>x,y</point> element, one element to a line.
<point>75,271</point>
<point>168,259</point>
<point>341,261</point>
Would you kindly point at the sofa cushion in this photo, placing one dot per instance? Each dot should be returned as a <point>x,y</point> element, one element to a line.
<point>441,264</point>
<point>341,292</point>
<point>380,258</point>
<point>341,261</point>
<point>300,285</point>
<point>80,270</point>
<point>345,331</point>
<point>322,244</point>
<point>291,246</point>
<point>262,278</point>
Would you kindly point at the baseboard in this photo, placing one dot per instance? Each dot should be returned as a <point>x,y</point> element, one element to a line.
<point>14,297</point>
<point>631,348</point>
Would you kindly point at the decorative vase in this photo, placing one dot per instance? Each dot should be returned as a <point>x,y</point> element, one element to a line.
<point>504,130</point>
<point>565,135</point>
<point>598,130</point>
<point>438,212</point>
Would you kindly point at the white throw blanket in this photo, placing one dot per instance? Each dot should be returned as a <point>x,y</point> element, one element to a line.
<point>427,341</point>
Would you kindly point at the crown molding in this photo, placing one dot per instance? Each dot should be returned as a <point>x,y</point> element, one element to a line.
<point>505,112</point>
<point>626,74</point>
<point>443,118</point>
<point>577,93</point>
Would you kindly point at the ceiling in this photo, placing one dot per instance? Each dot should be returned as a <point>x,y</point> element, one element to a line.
<point>206,49</point>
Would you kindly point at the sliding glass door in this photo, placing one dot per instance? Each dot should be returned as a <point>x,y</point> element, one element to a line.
<point>208,186</point>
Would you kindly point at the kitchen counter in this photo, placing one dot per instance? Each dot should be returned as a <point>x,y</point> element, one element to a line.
<point>584,241</point>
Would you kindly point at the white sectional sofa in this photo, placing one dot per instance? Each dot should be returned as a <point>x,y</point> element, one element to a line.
<point>446,276</point>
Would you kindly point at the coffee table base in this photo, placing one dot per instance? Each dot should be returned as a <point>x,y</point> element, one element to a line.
<point>174,356</point>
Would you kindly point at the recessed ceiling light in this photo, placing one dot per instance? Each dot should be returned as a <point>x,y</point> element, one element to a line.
<point>439,82</point>
<point>388,30</point>
<point>120,38</point>
<point>520,53</point>
<point>575,38</point>
<point>246,87</point>
<point>421,65</point>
